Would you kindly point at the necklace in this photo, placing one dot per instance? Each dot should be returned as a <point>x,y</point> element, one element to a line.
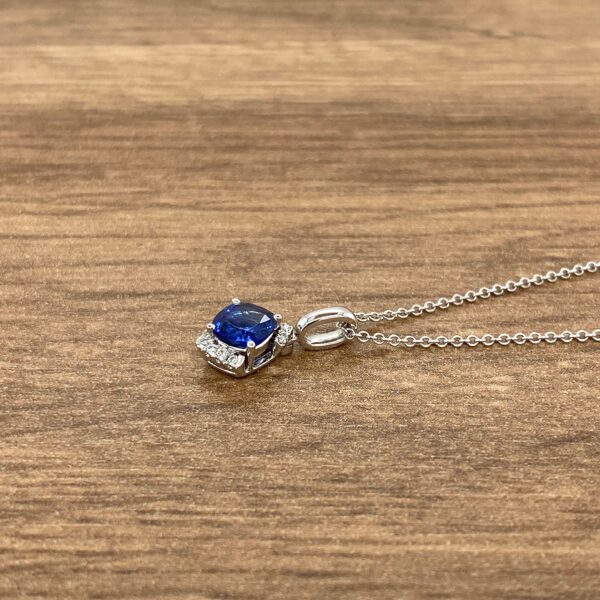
<point>244,337</point>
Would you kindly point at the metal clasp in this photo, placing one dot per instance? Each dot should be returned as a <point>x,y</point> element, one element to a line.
<point>313,336</point>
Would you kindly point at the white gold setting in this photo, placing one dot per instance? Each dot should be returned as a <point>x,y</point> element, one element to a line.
<point>240,362</point>
<point>221,355</point>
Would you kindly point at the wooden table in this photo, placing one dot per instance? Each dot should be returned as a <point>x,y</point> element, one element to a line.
<point>158,158</point>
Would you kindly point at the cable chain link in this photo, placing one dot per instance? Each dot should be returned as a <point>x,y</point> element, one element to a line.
<point>488,339</point>
<point>504,339</point>
<point>497,289</point>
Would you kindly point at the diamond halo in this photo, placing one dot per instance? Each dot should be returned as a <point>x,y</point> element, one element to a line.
<point>234,326</point>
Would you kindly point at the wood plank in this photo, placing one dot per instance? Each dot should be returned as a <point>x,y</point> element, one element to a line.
<point>157,159</point>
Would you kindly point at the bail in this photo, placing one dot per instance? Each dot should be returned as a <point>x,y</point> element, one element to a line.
<point>313,336</point>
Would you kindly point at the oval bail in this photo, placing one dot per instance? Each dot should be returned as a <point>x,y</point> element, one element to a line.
<point>313,336</point>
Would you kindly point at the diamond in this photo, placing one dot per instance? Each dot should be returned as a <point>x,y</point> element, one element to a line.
<point>238,324</point>
<point>222,353</point>
<point>284,335</point>
<point>235,360</point>
<point>204,340</point>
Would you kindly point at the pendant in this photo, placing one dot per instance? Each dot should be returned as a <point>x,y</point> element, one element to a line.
<point>245,337</point>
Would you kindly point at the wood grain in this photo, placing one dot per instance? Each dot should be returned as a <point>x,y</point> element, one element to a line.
<point>157,158</point>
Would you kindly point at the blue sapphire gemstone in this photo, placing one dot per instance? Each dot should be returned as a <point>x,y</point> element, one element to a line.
<point>238,324</point>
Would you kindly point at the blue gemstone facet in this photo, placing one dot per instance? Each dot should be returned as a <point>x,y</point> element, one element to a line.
<point>238,324</point>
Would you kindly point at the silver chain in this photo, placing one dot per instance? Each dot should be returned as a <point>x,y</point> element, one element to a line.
<point>488,339</point>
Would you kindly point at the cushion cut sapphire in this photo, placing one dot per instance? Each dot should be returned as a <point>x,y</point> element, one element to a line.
<point>238,324</point>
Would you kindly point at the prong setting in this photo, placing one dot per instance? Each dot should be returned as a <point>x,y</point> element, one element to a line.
<point>241,361</point>
<point>250,356</point>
